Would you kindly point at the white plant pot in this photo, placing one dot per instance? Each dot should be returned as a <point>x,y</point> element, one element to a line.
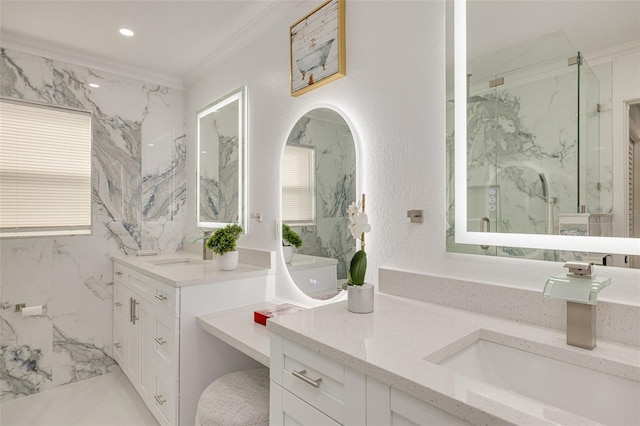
<point>360,298</point>
<point>288,253</point>
<point>228,261</point>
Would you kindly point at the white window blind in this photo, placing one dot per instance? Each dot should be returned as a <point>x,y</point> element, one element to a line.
<point>298,185</point>
<point>45,170</point>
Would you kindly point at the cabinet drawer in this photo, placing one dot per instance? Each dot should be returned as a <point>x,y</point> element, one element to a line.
<point>166,298</point>
<point>140,284</point>
<point>407,410</point>
<point>120,339</point>
<point>315,379</point>
<point>163,398</point>
<point>120,301</point>
<point>164,341</point>
<point>120,273</point>
<point>297,412</point>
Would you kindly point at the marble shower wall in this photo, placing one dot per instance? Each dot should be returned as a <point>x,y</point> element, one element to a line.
<point>335,189</point>
<point>139,194</point>
<point>523,156</point>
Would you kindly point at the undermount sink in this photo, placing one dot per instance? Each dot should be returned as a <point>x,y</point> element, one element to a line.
<point>588,393</point>
<point>184,261</point>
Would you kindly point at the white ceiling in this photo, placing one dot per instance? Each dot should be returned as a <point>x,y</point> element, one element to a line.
<point>177,41</point>
<point>174,40</point>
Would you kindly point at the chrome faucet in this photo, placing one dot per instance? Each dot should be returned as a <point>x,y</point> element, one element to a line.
<point>580,288</point>
<point>206,253</point>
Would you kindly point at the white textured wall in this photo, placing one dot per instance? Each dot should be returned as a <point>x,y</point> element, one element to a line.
<point>394,96</point>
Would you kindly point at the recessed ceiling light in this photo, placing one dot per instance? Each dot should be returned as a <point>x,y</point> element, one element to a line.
<point>94,85</point>
<point>126,32</point>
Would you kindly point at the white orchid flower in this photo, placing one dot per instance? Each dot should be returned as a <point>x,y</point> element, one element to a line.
<point>359,225</point>
<point>353,210</point>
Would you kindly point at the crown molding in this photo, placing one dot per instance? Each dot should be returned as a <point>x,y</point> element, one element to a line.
<point>38,48</point>
<point>606,55</point>
<point>270,15</point>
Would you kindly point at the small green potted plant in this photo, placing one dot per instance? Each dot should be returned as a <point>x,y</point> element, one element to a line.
<point>290,239</point>
<point>223,244</point>
<point>359,293</point>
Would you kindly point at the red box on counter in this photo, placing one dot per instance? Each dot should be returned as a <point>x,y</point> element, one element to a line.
<point>261,316</point>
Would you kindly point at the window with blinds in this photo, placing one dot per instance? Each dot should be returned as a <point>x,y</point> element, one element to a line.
<point>298,185</point>
<point>45,170</point>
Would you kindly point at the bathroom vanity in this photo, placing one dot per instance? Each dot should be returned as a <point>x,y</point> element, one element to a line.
<point>156,340</point>
<point>441,361</point>
<point>414,362</point>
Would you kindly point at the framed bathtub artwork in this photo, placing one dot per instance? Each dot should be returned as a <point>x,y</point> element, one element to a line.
<point>317,48</point>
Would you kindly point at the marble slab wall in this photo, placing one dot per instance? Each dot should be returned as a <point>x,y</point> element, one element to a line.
<point>523,156</point>
<point>335,190</point>
<point>219,155</point>
<point>139,194</point>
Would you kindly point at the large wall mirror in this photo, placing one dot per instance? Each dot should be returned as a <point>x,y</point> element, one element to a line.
<point>319,178</point>
<point>221,144</point>
<point>543,129</point>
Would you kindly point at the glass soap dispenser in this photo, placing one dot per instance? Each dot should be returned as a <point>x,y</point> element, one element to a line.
<point>580,288</point>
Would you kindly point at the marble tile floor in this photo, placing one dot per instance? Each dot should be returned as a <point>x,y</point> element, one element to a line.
<point>107,400</point>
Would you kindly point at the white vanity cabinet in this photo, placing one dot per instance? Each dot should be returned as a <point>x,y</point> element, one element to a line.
<point>307,388</point>
<point>389,406</point>
<point>156,339</point>
<point>145,339</point>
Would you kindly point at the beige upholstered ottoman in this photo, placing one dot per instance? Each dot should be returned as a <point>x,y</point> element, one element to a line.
<point>236,399</point>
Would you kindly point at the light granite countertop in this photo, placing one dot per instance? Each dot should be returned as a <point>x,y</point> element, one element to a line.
<point>196,271</point>
<point>402,341</point>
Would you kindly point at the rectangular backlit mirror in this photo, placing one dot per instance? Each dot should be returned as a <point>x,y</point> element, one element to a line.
<point>506,149</point>
<point>221,131</point>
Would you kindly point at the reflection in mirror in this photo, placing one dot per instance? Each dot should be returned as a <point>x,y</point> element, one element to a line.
<point>318,177</point>
<point>221,145</point>
<point>540,116</point>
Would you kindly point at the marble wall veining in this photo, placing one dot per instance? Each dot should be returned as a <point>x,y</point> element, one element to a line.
<point>219,155</point>
<point>138,166</point>
<point>335,190</point>
<point>523,147</point>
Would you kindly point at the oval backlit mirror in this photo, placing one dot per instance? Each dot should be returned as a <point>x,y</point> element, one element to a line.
<point>318,178</point>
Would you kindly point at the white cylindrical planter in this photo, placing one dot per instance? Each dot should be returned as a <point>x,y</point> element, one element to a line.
<point>288,253</point>
<point>228,261</point>
<point>360,298</point>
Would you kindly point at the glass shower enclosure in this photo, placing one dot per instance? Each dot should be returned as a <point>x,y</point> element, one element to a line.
<point>532,148</point>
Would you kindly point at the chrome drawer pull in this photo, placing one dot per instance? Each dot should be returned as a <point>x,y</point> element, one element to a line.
<point>133,316</point>
<point>160,340</point>
<point>159,399</point>
<point>301,375</point>
<point>117,345</point>
<point>161,297</point>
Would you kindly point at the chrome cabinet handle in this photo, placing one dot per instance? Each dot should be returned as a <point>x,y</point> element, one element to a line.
<point>159,399</point>
<point>302,376</point>
<point>161,297</point>
<point>160,340</point>
<point>132,308</point>
<point>117,345</point>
